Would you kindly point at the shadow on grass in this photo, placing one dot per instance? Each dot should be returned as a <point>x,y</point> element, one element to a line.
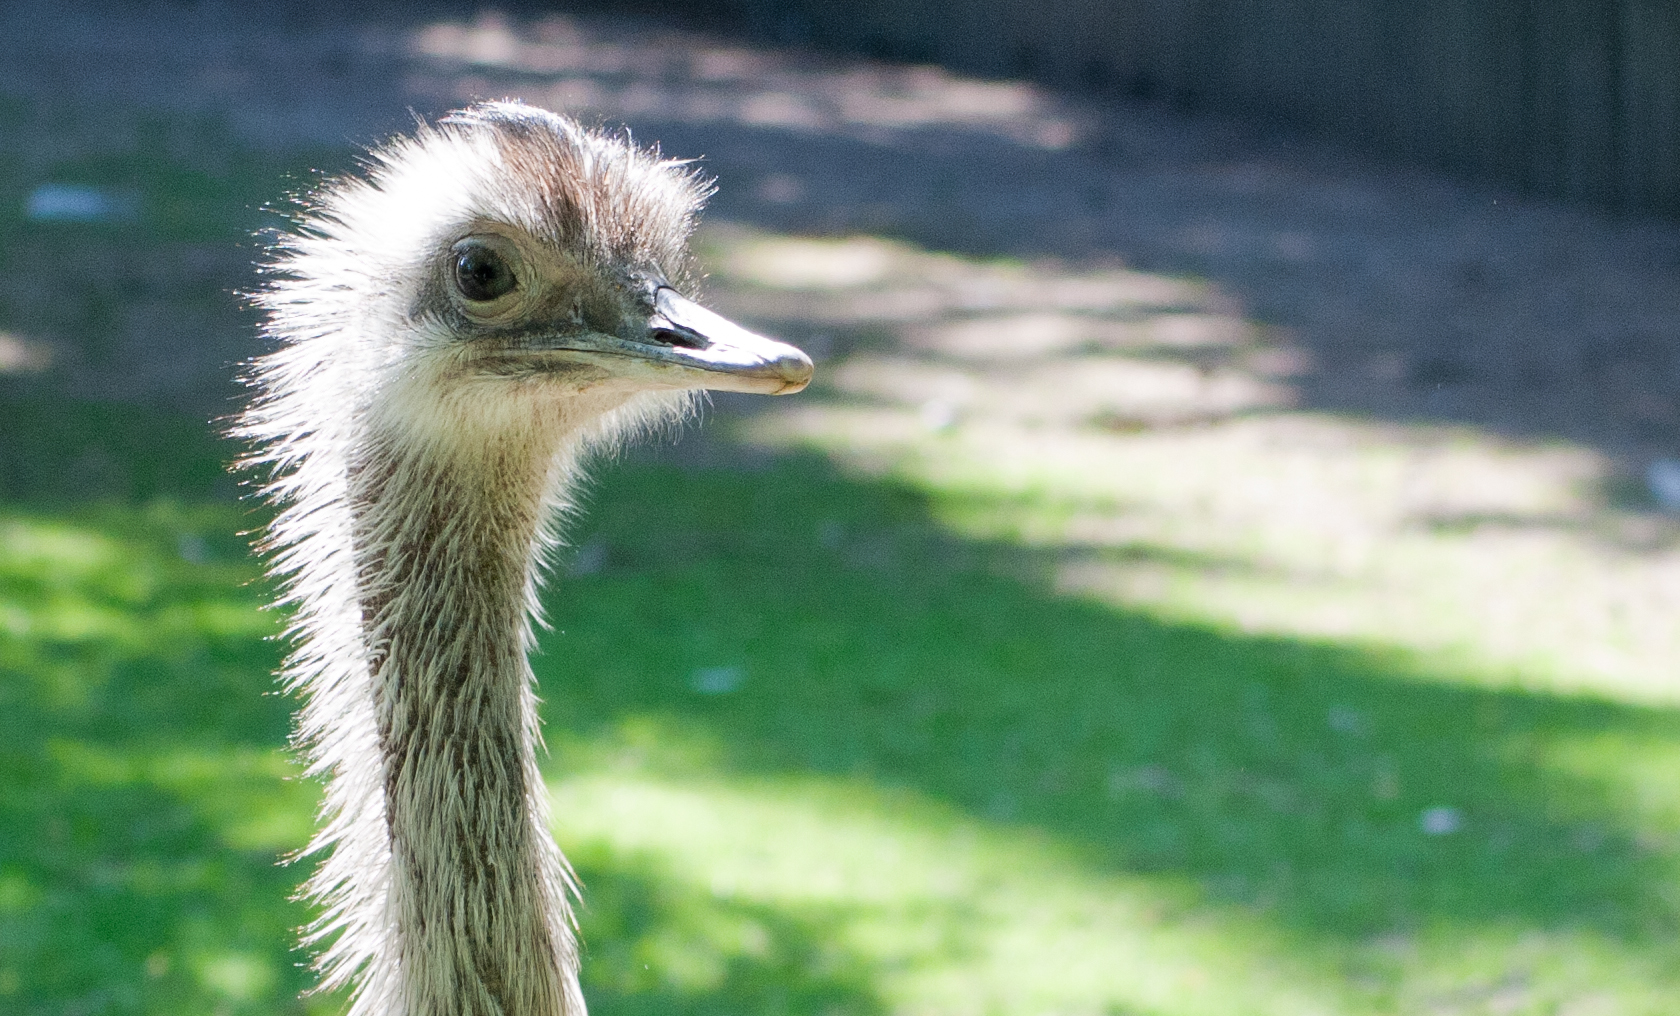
<point>1280,774</point>
<point>656,946</point>
<point>144,798</point>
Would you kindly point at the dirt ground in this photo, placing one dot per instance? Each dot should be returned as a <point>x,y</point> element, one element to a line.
<point>1385,292</point>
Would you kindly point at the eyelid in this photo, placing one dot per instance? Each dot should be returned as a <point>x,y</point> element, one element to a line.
<point>504,248</point>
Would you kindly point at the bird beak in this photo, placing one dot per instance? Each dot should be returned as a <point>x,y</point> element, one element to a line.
<point>715,352</point>
<point>684,346</point>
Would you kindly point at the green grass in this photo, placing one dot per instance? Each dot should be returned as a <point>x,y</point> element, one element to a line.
<point>1266,791</point>
<point>939,785</point>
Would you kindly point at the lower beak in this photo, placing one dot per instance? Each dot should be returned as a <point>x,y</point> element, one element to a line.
<point>688,346</point>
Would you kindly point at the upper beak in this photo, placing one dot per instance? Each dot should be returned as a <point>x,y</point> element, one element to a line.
<point>727,356</point>
<point>688,346</point>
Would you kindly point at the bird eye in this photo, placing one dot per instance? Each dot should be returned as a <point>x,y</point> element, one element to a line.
<point>481,274</point>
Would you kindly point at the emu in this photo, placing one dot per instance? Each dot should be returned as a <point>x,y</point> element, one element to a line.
<point>455,331</point>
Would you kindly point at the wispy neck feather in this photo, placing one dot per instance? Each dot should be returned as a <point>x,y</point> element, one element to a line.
<point>411,557</point>
<point>445,552</point>
<point>413,569</point>
<point>412,565</point>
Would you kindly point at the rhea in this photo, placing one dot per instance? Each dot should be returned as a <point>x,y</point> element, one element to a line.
<point>455,330</point>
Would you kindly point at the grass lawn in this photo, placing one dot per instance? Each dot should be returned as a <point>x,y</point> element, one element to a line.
<point>813,752</point>
<point>878,715</point>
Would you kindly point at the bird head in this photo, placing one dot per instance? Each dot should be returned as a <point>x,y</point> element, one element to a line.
<point>504,267</point>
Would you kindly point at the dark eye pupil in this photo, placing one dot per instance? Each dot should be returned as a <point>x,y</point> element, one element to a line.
<point>482,274</point>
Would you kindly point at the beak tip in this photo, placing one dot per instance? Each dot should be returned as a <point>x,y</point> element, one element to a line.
<point>796,373</point>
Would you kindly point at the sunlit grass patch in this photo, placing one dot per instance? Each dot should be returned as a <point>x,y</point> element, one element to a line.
<point>147,796</point>
<point>941,913</point>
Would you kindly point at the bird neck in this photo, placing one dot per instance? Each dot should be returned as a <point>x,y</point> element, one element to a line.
<point>445,553</point>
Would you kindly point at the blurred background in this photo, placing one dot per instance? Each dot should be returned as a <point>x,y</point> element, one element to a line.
<point>1235,530</point>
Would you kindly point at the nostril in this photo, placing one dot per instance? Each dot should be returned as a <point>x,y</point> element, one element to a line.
<point>679,337</point>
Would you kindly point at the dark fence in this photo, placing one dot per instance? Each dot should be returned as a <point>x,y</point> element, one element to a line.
<point>1578,99</point>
